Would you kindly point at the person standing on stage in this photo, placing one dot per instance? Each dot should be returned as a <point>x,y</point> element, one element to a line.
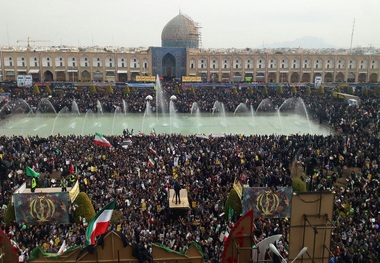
<point>177,189</point>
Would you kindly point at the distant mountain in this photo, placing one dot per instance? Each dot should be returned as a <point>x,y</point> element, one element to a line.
<point>303,42</point>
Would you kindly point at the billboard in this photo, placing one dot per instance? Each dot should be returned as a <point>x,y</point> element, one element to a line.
<point>42,208</point>
<point>146,78</point>
<point>24,81</point>
<point>318,81</point>
<point>4,96</point>
<point>191,79</point>
<point>266,202</point>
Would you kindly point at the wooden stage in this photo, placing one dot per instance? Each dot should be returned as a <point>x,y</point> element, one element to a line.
<point>45,190</point>
<point>41,190</point>
<point>184,200</point>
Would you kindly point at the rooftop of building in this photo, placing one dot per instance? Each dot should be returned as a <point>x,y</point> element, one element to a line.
<point>118,49</point>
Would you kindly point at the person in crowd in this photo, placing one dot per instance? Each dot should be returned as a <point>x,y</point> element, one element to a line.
<point>207,169</point>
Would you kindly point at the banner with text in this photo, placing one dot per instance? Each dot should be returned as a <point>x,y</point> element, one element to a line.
<point>42,208</point>
<point>266,202</point>
<point>191,79</point>
<point>146,78</point>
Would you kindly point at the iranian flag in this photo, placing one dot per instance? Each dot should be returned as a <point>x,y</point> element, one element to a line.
<point>99,224</point>
<point>151,162</point>
<point>153,133</point>
<point>100,140</point>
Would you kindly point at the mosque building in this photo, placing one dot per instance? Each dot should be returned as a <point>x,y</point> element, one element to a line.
<point>181,57</point>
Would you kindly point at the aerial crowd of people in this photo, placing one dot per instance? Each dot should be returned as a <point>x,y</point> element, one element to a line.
<point>205,166</point>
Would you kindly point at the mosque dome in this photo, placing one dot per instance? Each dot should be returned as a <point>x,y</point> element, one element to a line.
<point>181,31</point>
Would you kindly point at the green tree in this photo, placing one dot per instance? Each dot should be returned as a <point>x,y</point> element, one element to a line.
<point>192,90</point>
<point>110,89</point>
<point>234,90</point>
<point>1,90</point>
<point>117,217</point>
<point>279,90</point>
<point>36,90</point>
<point>298,185</point>
<point>127,90</point>
<point>321,90</point>
<point>92,89</point>
<point>84,208</point>
<point>233,202</point>
<point>378,91</point>
<point>265,90</point>
<point>365,91</point>
<point>251,90</point>
<point>294,90</point>
<point>308,90</point>
<point>10,217</point>
<point>350,90</point>
<point>48,90</point>
<point>177,90</point>
<point>338,89</point>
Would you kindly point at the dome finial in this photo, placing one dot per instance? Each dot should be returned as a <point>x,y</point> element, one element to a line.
<point>179,11</point>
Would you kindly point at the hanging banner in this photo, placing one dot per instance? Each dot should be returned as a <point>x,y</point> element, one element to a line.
<point>267,203</point>
<point>191,79</point>
<point>42,208</point>
<point>146,78</point>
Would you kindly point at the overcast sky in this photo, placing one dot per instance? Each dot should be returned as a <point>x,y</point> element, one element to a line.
<point>225,24</point>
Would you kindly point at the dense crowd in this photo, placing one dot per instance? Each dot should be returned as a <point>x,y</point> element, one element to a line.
<point>207,167</point>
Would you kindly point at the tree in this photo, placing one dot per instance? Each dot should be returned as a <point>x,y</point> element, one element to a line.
<point>110,89</point>
<point>265,90</point>
<point>117,216</point>
<point>233,202</point>
<point>251,90</point>
<point>92,89</point>
<point>350,90</point>
<point>279,90</point>
<point>10,217</point>
<point>192,90</point>
<point>84,208</point>
<point>234,90</point>
<point>177,90</point>
<point>294,90</point>
<point>36,90</point>
<point>298,185</point>
<point>127,90</point>
<point>308,90</point>
<point>365,91</point>
<point>321,90</point>
<point>338,89</point>
<point>48,90</point>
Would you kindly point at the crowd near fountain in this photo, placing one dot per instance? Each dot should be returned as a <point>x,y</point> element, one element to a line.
<point>262,120</point>
<point>214,137</point>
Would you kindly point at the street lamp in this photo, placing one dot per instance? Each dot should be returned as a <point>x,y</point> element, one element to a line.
<point>275,251</point>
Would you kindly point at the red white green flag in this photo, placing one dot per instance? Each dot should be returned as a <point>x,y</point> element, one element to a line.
<point>151,162</point>
<point>99,224</point>
<point>100,140</point>
<point>153,133</point>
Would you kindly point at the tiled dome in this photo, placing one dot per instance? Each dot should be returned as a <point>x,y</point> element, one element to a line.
<point>181,31</point>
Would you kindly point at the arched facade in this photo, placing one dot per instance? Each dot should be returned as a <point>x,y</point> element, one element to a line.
<point>180,55</point>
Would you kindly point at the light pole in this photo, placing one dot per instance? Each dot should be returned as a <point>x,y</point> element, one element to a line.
<point>275,251</point>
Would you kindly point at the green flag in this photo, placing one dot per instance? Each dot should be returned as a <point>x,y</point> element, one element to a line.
<point>30,172</point>
<point>230,212</point>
